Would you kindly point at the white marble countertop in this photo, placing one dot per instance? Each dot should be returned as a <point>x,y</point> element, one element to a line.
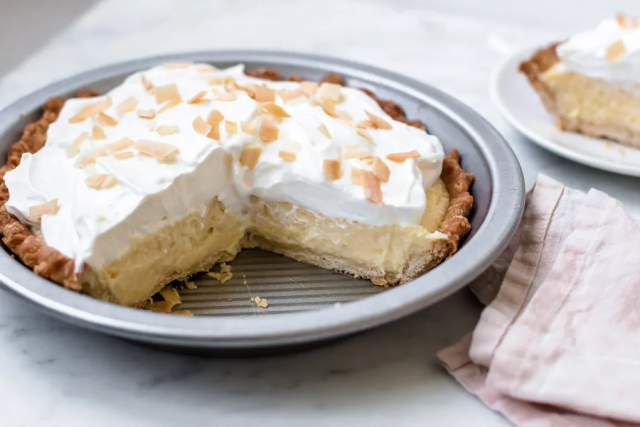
<point>58,375</point>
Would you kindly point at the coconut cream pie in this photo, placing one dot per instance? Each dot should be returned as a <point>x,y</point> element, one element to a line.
<point>183,165</point>
<point>591,83</point>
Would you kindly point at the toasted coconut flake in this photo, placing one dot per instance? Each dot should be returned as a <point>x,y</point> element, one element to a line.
<point>74,147</point>
<point>288,95</point>
<point>401,157</point>
<point>119,145</point>
<point>367,160</point>
<point>228,158</point>
<point>232,86</point>
<point>101,181</point>
<point>287,156</point>
<point>366,135</point>
<point>345,117</point>
<point>329,109</point>
<point>329,92</point>
<point>229,83</point>
<point>168,105</point>
<point>176,65</point>
<point>264,94</point>
<point>274,109</point>
<point>371,185</point>
<point>168,130</point>
<point>206,68</point>
<point>381,170</point>
<point>379,122</point>
<point>200,126</point>
<point>215,81</point>
<point>249,90</point>
<point>91,110</point>
<point>146,83</point>
<point>146,114</point>
<point>626,21</point>
<point>123,155</point>
<point>250,156</point>
<point>97,132</point>
<point>622,19</point>
<point>88,157</point>
<point>191,285</point>
<point>48,208</point>
<point>248,128</point>
<point>126,106</point>
<point>323,130</point>
<point>355,176</point>
<point>226,97</point>
<point>109,182</point>
<point>365,124</point>
<point>310,88</point>
<point>268,131</point>
<point>353,151</point>
<point>198,97</point>
<point>331,169</point>
<point>231,127</point>
<point>214,119</point>
<point>160,150</point>
<point>106,120</point>
<point>615,51</point>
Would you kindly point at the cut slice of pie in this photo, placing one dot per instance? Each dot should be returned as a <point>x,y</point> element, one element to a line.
<point>590,83</point>
<point>184,165</point>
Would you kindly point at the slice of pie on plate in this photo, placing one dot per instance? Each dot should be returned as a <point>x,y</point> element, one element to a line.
<point>183,165</point>
<point>591,82</point>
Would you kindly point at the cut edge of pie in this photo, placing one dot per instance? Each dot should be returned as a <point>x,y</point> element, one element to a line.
<point>582,104</point>
<point>226,233</point>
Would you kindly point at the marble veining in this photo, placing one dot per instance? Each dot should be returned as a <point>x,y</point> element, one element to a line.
<point>58,375</point>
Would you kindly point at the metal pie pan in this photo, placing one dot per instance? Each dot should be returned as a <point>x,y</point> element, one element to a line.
<point>306,304</point>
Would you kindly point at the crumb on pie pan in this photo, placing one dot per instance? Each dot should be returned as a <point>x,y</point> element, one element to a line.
<point>305,304</point>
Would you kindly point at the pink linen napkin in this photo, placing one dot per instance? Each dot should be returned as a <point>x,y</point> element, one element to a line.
<point>559,345</point>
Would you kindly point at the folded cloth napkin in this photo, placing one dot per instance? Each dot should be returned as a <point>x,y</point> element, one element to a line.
<point>559,343</point>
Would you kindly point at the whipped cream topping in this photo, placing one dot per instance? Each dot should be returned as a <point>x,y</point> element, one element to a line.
<point>96,225</point>
<point>611,51</point>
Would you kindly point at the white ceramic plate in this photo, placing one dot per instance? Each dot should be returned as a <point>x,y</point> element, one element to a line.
<point>520,105</point>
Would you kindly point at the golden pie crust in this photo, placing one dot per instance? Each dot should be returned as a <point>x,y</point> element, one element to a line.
<point>533,68</point>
